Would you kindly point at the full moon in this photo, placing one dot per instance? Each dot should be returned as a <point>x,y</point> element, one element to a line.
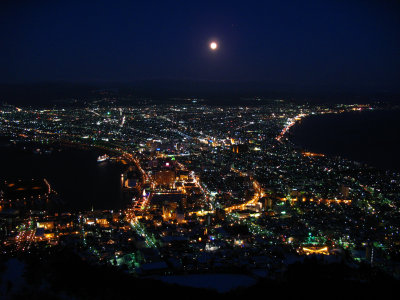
<point>213,46</point>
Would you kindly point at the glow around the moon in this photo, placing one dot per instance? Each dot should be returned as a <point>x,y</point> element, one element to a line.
<point>213,46</point>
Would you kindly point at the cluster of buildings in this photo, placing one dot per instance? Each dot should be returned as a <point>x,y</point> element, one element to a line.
<point>214,189</point>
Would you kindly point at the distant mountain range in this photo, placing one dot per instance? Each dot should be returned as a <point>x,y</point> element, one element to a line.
<point>162,89</point>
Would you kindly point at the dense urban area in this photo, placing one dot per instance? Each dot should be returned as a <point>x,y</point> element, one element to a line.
<point>212,189</point>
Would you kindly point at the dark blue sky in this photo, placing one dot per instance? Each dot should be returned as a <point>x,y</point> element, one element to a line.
<point>313,43</point>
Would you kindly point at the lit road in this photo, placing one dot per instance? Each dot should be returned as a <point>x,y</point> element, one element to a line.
<point>290,122</point>
<point>24,240</point>
<point>259,193</point>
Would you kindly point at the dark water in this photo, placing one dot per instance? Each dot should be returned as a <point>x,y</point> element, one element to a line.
<point>75,174</point>
<point>371,137</point>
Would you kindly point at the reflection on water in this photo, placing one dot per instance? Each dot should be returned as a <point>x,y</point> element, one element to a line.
<point>80,181</point>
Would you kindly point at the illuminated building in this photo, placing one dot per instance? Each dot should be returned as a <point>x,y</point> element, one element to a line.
<point>182,175</point>
<point>49,225</point>
<point>315,250</point>
<point>165,177</point>
<point>241,148</point>
<point>344,190</point>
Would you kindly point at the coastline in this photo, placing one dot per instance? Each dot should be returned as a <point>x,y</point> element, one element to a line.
<point>367,136</point>
<point>70,170</point>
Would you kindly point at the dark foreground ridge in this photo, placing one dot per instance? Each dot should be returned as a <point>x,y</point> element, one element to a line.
<point>60,273</point>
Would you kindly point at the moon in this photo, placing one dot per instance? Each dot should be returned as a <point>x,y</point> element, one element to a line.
<point>213,46</point>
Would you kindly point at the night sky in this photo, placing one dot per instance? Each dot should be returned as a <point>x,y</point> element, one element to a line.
<point>312,43</point>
